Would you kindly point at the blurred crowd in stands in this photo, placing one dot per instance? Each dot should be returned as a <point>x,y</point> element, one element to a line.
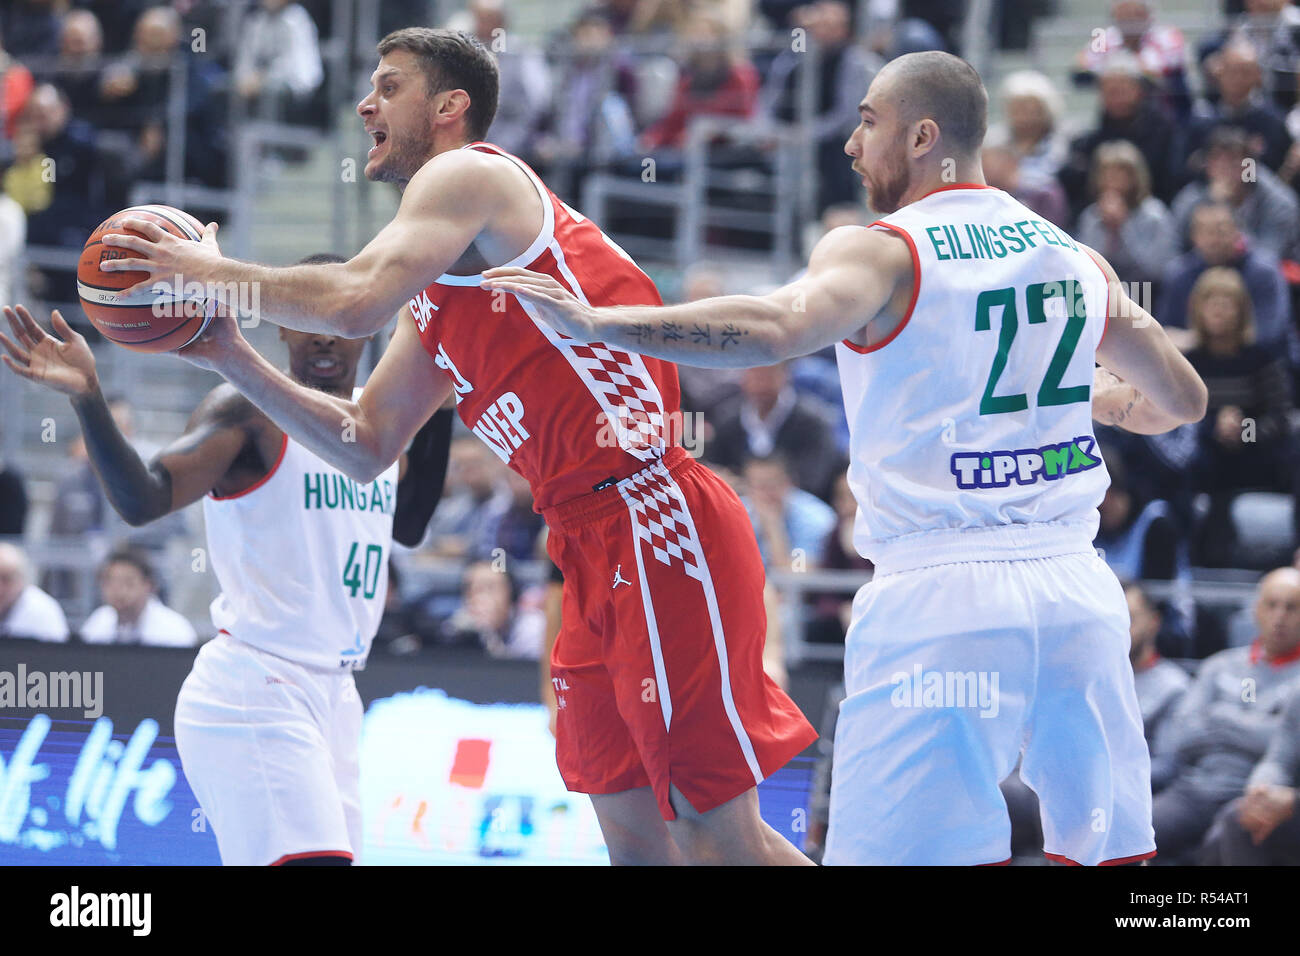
<point>1184,176</point>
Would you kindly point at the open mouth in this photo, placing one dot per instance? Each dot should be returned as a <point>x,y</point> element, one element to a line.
<point>380,137</point>
<point>326,365</point>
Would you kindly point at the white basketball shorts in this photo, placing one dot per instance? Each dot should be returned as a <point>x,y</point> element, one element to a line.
<point>270,748</point>
<point>954,671</point>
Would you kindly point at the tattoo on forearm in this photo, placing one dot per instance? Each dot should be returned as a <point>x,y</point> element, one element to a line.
<point>731,335</point>
<point>671,331</point>
<point>702,335</point>
<point>642,333</point>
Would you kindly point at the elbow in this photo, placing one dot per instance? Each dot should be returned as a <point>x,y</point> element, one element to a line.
<point>368,466</point>
<point>1195,403</point>
<point>356,316</point>
<point>137,516</point>
<point>364,472</point>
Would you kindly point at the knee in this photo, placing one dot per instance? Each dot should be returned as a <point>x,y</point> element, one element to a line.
<point>627,848</point>
<point>700,846</point>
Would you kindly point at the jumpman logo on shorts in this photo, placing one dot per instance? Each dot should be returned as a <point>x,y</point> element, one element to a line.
<point>619,579</point>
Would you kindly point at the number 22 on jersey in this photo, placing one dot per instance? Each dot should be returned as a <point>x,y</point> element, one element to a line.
<point>1050,391</point>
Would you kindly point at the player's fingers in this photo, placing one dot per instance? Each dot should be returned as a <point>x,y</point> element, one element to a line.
<point>61,326</point>
<point>17,369</point>
<point>134,243</point>
<point>145,285</point>
<point>12,318</point>
<point>501,272</point>
<point>516,288</point>
<point>536,280</point>
<point>13,349</point>
<point>150,230</point>
<point>28,329</point>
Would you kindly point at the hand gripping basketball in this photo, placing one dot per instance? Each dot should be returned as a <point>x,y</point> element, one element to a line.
<point>162,255</point>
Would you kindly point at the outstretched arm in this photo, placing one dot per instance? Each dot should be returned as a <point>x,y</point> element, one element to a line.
<point>1153,388</point>
<point>445,206</point>
<point>140,492</point>
<point>359,438</point>
<point>852,275</point>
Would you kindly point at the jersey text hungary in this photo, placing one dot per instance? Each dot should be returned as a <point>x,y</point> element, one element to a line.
<point>971,425</point>
<point>302,560</point>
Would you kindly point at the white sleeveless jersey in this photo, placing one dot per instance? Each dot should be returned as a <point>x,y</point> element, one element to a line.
<point>302,560</point>
<point>975,415</point>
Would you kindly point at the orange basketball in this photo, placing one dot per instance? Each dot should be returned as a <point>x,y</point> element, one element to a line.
<point>158,319</point>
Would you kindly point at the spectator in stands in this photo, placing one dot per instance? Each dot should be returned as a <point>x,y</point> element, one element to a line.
<point>131,612</point>
<point>65,173</point>
<point>716,80</point>
<point>1246,434</point>
<point>475,498</point>
<point>1160,52</point>
<point>28,180</point>
<point>16,85</point>
<point>769,415</point>
<point>495,613</point>
<point>1217,240</point>
<point>32,26</point>
<point>1272,29</point>
<point>1160,684</point>
<point>13,501</point>
<point>519,528</point>
<point>278,65</point>
<point>1264,206</point>
<point>846,69</point>
<point>1243,104</point>
<point>1032,131</point>
<point>524,79</point>
<point>117,19</point>
<point>589,123</point>
<point>77,70</point>
<point>13,237</point>
<point>135,95</point>
<point>1130,227</point>
<point>791,525</point>
<point>26,610</point>
<point>1262,828</point>
<point>1140,540</point>
<point>1041,194</point>
<point>831,611</point>
<point>1128,112</point>
<point>1219,732</point>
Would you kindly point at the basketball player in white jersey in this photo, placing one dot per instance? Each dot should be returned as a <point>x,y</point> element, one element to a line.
<point>268,722</point>
<point>966,330</point>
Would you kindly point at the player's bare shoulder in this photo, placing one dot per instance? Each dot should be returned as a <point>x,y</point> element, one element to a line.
<point>872,272</point>
<point>471,178</point>
<point>879,253</point>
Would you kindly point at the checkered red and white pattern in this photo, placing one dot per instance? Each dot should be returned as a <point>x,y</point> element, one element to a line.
<point>633,405</point>
<point>659,516</point>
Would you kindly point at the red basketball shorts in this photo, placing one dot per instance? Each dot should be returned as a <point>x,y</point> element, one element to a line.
<point>658,667</point>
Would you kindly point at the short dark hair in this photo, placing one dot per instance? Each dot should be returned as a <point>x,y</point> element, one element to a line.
<point>945,88</point>
<point>133,558</point>
<point>320,258</point>
<point>1232,139</point>
<point>452,59</point>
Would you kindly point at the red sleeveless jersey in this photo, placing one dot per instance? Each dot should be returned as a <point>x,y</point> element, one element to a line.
<point>566,415</point>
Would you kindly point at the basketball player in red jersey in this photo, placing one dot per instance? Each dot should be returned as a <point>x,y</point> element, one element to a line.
<point>665,715</point>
